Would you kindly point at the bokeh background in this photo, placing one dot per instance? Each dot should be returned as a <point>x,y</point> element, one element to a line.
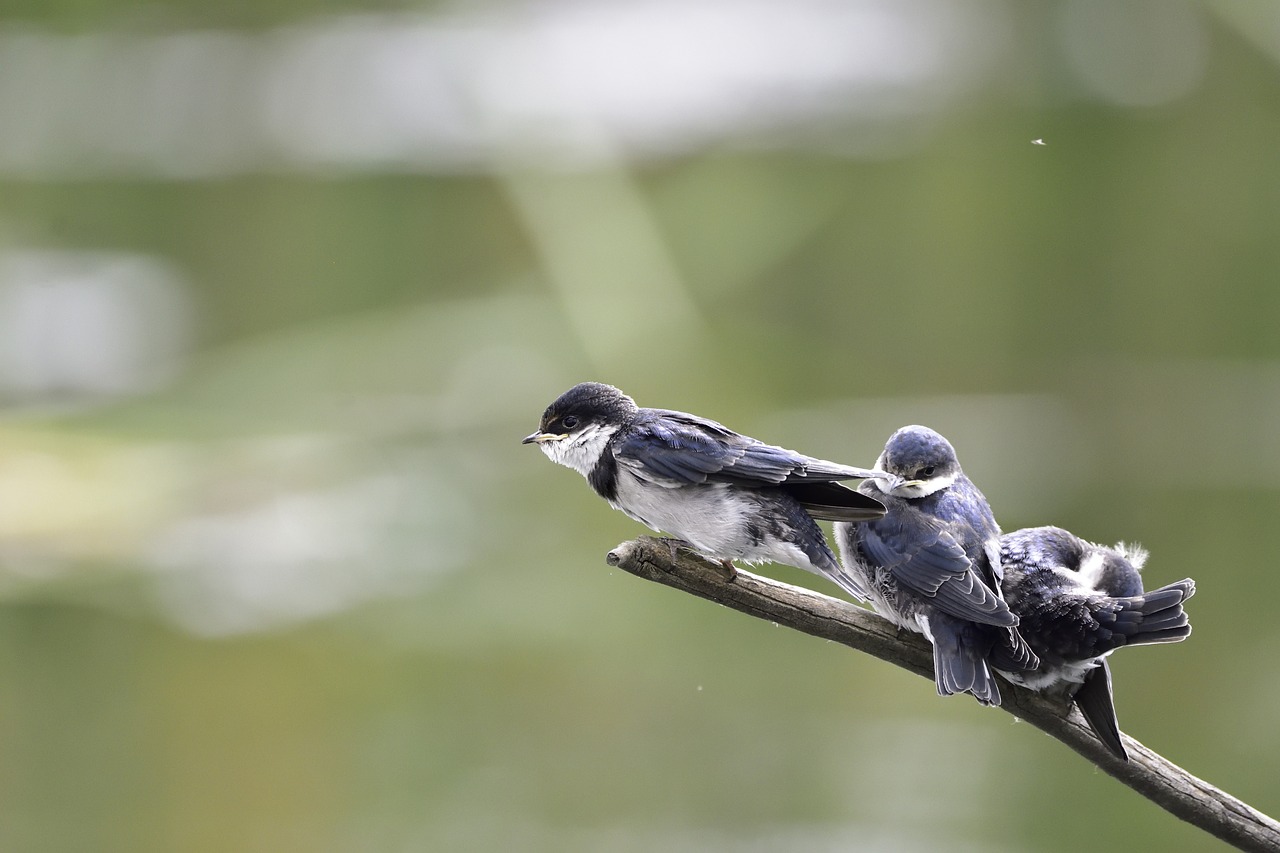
<point>282,285</point>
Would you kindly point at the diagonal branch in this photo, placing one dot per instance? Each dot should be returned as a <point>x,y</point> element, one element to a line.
<point>1148,773</point>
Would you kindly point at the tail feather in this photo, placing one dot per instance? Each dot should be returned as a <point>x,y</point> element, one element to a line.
<point>1154,617</point>
<point>984,687</point>
<point>849,583</point>
<point>1095,702</point>
<point>1169,635</point>
<point>953,673</point>
<point>1131,624</point>
<point>959,664</point>
<point>1166,596</point>
<point>826,563</point>
<point>1163,621</point>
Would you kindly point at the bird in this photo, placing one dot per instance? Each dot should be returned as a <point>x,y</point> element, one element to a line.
<point>1078,602</point>
<point>725,495</point>
<point>932,564</point>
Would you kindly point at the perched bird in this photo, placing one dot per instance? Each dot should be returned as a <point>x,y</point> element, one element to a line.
<point>1078,602</point>
<point>727,496</point>
<point>932,564</point>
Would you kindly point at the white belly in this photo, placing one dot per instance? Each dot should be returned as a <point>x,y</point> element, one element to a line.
<point>1073,672</point>
<point>708,517</point>
<point>713,518</point>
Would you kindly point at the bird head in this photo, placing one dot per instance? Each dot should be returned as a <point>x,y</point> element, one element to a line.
<point>919,461</point>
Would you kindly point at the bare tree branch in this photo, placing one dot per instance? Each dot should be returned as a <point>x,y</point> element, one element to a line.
<point>1148,773</point>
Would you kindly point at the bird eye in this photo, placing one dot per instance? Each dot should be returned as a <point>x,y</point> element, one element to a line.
<point>569,421</point>
<point>925,473</point>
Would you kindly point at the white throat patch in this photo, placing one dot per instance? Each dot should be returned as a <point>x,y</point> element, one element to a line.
<point>925,487</point>
<point>581,451</point>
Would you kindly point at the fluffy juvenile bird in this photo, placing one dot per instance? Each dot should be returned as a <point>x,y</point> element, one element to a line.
<point>1077,603</point>
<point>931,564</point>
<point>726,495</point>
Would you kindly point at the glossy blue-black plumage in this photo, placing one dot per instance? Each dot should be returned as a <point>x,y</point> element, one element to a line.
<point>728,495</point>
<point>941,559</point>
<point>931,564</point>
<point>682,449</point>
<point>1078,602</point>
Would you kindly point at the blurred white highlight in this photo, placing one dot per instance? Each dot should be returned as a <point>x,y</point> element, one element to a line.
<point>544,81</point>
<point>80,326</point>
<point>298,555</point>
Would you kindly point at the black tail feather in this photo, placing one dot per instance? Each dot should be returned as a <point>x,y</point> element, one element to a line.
<point>959,660</point>
<point>848,583</point>
<point>1176,634</point>
<point>1154,617</point>
<point>1167,596</point>
<point>1095,701</point>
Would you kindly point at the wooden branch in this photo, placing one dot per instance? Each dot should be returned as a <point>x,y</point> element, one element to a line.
<point>1148,773</point>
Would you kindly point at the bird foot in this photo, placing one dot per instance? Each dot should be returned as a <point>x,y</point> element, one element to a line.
<point>674,544</point>
<point>728,570</point>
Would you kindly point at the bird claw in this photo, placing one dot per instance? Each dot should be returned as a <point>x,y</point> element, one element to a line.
<point>728,570</point>
<point>674,544</point>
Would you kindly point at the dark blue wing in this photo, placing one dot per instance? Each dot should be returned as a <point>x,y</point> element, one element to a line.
<point>923,556</point>
<point>678,449</point>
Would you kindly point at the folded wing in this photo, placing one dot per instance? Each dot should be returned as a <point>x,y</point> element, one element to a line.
<point>677,449</point>
<point>928,560</point>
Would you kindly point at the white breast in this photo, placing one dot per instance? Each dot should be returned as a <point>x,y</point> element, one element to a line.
<point>712,517</point>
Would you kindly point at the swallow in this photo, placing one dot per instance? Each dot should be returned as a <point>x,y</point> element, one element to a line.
<point>931,564</point>
<point>1078,602</point>
<point>724,494</point>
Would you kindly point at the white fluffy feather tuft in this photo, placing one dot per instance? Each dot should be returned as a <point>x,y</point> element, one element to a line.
<point>1134,553</point>
<point>1090,571</point>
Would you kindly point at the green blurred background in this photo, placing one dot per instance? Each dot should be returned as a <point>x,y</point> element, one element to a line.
<point>283,284</point>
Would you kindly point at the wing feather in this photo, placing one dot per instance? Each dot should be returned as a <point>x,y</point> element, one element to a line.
<point>928,560</point>
<point>677,449</point>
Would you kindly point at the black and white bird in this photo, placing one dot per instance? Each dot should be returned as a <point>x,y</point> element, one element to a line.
<point>931,564</point>
<point>727,496</point>
<point>1077,603</point>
